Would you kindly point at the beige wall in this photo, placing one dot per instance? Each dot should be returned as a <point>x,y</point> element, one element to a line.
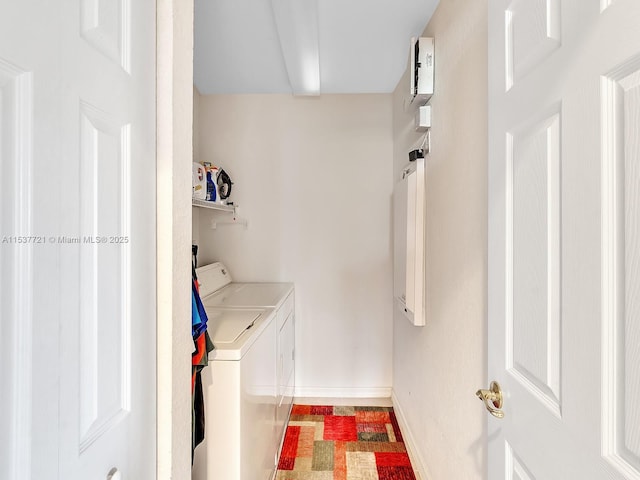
<point>437,368</point>
<point>313,178</point>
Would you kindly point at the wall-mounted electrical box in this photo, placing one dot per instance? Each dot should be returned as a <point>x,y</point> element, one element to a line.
<point>423,118</point>
<point>421,69</point>
<point>409,243</point>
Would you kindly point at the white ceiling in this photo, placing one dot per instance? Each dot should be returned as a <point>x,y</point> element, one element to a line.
<point>363,45</point>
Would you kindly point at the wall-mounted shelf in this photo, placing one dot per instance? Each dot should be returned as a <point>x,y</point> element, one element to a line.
<point>212,205</point>
<point>215,222</point>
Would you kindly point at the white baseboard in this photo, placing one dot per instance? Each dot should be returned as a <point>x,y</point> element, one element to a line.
<point>409,439</point>
<point>340,392</point>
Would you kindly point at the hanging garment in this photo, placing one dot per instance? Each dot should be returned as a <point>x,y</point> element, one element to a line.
<point>198,414</point>
<point>199,359</point>
<point>198,314</point>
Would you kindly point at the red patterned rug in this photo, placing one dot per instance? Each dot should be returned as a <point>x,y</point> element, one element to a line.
<point>343,443</point>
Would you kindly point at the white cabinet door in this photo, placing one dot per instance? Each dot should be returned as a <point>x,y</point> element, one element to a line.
<point>564,204</point>
<point>77,142</point>
<point>286,364</point>
<point>409,243</point>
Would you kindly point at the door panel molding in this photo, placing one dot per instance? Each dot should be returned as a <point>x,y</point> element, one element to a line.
<point>106,25</point>
<point>533,192</point>
<point>532,34</point>
<point>16,270</point>
<point>620,107</point>
<point>105,270</point>
<point>514,467</point>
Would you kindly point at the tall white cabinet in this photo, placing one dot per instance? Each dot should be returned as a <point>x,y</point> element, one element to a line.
<point>409,243</point>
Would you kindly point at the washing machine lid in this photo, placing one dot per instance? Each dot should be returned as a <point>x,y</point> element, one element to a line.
<point>226,326</point>
<point>249,295</point>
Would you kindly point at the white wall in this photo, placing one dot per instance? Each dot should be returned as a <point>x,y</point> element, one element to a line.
<point>438,368</point>
<point>313,177</point>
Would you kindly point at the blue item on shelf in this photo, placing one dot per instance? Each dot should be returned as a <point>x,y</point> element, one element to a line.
<point>211,188</point>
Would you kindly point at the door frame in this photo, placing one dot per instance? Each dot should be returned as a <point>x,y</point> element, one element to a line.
<point>174,134</point>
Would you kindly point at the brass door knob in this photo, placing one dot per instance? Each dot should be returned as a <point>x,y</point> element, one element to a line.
<point>492,399</point>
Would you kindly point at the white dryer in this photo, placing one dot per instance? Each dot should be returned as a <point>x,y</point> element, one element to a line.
<point>249,387</point>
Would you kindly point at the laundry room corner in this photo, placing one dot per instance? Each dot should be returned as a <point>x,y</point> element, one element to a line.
<point>313,180</point>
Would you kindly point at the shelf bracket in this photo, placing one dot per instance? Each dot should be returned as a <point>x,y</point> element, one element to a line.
<point>235,221</point>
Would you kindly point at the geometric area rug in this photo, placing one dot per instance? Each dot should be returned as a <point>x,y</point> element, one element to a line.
<point>343,443</point>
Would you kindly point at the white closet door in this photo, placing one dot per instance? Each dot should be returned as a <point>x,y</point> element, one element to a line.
<point>77,139</point>
<point>564,117</point>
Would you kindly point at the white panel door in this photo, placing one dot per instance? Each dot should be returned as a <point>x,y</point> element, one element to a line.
<point>408,238</point>
<point>77,142</point>
<point>564,238</point>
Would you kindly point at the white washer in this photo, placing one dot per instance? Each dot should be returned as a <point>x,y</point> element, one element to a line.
<point>248,387</point>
